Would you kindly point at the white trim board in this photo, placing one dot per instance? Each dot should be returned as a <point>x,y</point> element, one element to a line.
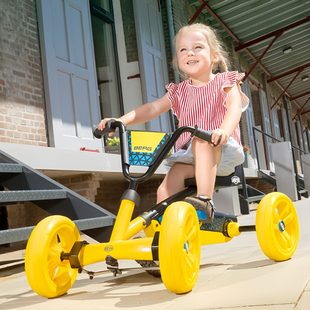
<point>57,162</point>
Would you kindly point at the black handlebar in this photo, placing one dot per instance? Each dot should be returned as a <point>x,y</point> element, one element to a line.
<point>110,127</point>
<point>205,135</point>
<point>112,124</point>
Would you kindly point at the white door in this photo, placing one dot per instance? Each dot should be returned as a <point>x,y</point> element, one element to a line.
<point>152,58</point>
<point>69,73</point>
<point>266,127</point>
<point>250,121</point>
<point>285,124</point>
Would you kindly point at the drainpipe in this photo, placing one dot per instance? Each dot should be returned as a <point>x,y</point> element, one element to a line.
<point>171,35</point>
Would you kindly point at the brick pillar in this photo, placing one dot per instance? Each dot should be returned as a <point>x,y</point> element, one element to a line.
<point>22,104</point>
<point>110,194</point>
<point>85,185</point>
<point>256,108</point>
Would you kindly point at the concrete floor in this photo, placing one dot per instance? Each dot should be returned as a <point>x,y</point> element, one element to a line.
<point>233,276</point>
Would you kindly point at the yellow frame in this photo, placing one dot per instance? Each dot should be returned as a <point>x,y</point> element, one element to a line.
<point>121,246</point>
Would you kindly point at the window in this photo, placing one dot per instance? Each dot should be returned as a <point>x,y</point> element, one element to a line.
<point>104,4</point>
<point>106,58</point>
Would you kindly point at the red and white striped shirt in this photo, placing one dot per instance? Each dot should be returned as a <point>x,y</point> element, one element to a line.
<point>204,105</point>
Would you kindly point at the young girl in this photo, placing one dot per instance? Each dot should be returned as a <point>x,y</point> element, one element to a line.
<point>213,102</point>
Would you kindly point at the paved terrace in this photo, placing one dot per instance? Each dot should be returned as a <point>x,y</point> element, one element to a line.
<point>233,276</point>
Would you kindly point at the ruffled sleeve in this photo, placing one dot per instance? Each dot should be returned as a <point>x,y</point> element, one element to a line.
<point>173,97</point>
<point>232,78</point>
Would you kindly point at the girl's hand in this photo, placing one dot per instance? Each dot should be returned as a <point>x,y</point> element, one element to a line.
<point>104,122</point>
<point>217,133</point>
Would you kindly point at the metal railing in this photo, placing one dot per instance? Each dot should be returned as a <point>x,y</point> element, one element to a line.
<point>293,155</point>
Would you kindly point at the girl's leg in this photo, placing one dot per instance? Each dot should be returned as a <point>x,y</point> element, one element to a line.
<point>207,159</point>
<point>174,180</point>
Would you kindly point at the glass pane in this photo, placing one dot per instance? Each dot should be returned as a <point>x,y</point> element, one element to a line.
<point>106,69</point>
<point>105,4</point>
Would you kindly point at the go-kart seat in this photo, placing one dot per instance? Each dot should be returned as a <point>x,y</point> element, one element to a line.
<point>233,179</point>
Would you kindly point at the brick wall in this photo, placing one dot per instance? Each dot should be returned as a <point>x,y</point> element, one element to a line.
<point>280,124</point>
<point>85,185</point>
<point>148,194</point>
<point>182,12</point>
<point>110,193</point>
<point>260,185</point>
<point>25,214</point>
<point>107,194</point>
<point>256,108</point>
<point>169,55</point>
<point>129,30</point>
<point>22,106</point>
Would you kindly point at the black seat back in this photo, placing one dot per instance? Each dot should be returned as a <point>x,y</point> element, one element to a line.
<point>233,179</point>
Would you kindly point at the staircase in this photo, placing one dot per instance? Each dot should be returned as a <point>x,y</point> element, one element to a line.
<point>269,177</point>
<point>22,183</point>
<point>253,194</point>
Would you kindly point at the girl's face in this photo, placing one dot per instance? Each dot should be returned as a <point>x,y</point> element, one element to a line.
<point>194,55</point>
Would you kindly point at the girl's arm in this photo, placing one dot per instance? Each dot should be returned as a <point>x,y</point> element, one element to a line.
<point>142,114</point>
<point>232,116</point>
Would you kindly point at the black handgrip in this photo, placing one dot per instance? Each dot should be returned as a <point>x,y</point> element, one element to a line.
<point>110,127</point>
<point>97,133</point>
<point>205,135</point>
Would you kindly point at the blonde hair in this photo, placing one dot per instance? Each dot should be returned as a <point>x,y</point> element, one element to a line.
<point>216,46</point>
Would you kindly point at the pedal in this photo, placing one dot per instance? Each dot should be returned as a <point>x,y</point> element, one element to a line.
<point>115,270</point>
<point>219,224</point>
<point>112,265</point>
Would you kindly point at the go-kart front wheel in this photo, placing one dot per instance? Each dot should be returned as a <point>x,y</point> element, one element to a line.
<point>179,248</point>
<point>47,275</point>
<point>277,226</point>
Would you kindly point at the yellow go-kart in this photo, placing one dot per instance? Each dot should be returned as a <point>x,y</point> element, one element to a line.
<point>55,253</point>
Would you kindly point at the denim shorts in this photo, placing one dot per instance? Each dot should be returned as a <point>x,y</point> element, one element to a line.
<point>232,156</point>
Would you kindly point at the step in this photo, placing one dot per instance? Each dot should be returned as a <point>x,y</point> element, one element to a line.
<point>304,193</point>
<point>255,198</point>
<point>267,176</point>
<point>31,195</point>
<point>252,193</point>
<point>22,234</point>
<point>10,168</point>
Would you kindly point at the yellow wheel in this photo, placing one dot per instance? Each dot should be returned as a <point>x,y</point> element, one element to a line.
<point>179,248</point>
<point>47,275</point>
<point>277,226</point>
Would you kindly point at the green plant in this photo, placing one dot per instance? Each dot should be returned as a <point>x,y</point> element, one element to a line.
<point>112,141</point>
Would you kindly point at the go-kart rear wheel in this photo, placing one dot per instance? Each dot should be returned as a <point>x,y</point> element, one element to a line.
<point>277,226</point>
<point>47,275</point>
<point>179,248</point>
